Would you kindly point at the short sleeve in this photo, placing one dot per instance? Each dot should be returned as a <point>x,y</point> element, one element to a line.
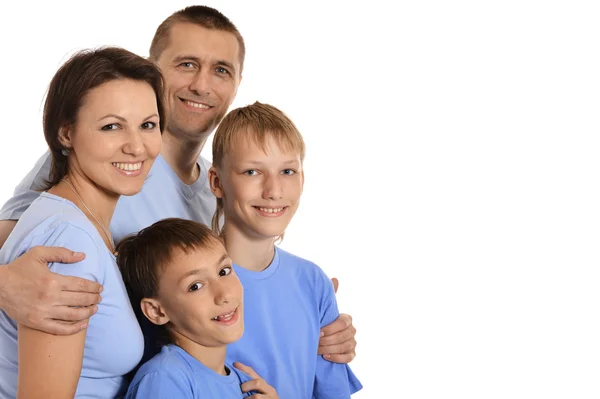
<point>76,239</point>
<point>160,385</point>
<point>332,380</point>
<point>28,190</point>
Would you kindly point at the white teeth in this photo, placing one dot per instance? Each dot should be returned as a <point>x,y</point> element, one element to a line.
<point>128,166</point>
<point>197,105</point>
<point>270,210</point>
<point>224,317</point>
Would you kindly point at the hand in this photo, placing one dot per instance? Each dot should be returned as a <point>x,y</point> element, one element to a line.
<point>338,343</point>
<point>260,386</point>
<point>46,301</point>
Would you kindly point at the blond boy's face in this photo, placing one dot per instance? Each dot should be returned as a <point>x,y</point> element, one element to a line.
<point>203,297</point>
<point>261,190</point>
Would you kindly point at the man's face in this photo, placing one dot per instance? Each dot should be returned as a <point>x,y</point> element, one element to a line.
<point>201,70</point>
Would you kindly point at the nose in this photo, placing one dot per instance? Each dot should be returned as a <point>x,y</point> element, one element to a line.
<point>223,291</point>
<point>201,83</point>
<point>134,144</point>
<point>273,189</point>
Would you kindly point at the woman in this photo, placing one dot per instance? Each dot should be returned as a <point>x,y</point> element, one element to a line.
<point>101,122</point>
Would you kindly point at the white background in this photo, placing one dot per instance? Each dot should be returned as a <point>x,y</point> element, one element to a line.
<point>451,177</point>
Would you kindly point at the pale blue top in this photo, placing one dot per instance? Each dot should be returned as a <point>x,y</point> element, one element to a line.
<point>114,343</point>
<point>285,307</point>
<point>174,373</point>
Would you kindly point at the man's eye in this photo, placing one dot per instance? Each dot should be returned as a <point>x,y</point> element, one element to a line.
<point>187,64</point>
<point>222,70</point>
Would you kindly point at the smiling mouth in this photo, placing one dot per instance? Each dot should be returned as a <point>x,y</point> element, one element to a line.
<point>270,210</point>
<point>194,104</point>
<point>128,166</point>
<point>225,316</point>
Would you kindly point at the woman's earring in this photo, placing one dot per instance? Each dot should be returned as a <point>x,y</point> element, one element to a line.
<point>65,151</point>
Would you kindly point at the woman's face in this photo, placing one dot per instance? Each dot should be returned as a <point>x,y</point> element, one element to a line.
<point>116,136</point>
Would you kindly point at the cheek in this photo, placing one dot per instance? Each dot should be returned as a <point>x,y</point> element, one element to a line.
<point>153,143</point>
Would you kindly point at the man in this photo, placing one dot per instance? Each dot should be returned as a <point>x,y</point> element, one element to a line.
<point>201,54</point>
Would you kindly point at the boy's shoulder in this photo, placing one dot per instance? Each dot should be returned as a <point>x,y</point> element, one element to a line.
<point>168,360</point>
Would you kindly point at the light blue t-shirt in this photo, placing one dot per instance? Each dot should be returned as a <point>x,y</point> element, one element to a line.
<point>285,307</point>
<point>114,343</point>
<point>163,195</point>
<point>174,373</point>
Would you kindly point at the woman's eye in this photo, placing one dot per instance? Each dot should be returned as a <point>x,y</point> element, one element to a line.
<point>148,125</point>
<point>195,286</point>
<point>225,271</point>
<point>111,126</point>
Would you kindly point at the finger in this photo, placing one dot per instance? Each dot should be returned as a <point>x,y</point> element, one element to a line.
<point>57,327</point>
<point>77,284</point>
<point>341,323</point>
<point>336,284</point>
<point>338,337</point>
<point>339,348</point>
<point>246,369</point>
<point>71,298</point>
<point>341,358</point>
<point>57,254</point>
<point>257,385</point>
<point>68,314</point>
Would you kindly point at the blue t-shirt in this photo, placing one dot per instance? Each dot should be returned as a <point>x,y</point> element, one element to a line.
<point>163,195</point>
<point>114,341</point>
<point>285,307</point>
<point>174,373</point>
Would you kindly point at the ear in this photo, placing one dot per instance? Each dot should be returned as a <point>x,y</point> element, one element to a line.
<point>215,182</point>
<point>65,137</point>
<point>153,311</point>
<point>302,179</point>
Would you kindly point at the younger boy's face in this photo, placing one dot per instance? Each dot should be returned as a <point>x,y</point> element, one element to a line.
<point>203,297</point>
<point>261,189</point>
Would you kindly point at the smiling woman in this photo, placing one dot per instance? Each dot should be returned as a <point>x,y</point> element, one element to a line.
<point>101,123</point>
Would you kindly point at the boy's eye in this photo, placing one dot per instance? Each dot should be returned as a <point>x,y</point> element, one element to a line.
<point>251,172</point>
<point>288,172</point>
<point>195,287</point>
<point>110,126</point>
<point>225,271</point>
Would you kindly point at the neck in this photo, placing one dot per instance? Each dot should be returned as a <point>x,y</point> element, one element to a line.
<point>182,156</point>
<point>211,357</point>
<point>100,203</point>
<point>252,253</point>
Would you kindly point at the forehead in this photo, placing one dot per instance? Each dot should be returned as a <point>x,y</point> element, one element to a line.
<point>247,146</point>
<point>120,96</point>
<point>187,39</point>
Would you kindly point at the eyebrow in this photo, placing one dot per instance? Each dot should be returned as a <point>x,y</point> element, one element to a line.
<point>196,59</point>
<point>199,271</point>
<point>291,161</point>
<point>123,119</point>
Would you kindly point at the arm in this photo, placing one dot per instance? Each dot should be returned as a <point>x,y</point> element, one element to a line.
<point>338,343</point>
<point>49,365</point>
<point>39,299</point>
<point>6,226</point>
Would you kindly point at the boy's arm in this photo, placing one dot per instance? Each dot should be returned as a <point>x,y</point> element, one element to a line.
<point>338,343</point>
<point>46,301</point>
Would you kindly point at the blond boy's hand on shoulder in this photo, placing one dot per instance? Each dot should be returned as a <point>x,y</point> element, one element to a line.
<point>260,387</point>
